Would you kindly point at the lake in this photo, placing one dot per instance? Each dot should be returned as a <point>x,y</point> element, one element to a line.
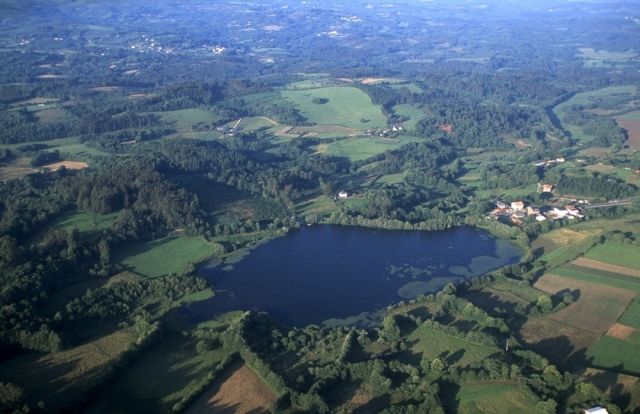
<point>330,272</point>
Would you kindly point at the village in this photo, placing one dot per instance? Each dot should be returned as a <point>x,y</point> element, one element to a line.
<point>517,212</point>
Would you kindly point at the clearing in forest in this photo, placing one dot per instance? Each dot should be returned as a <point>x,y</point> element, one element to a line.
<point>337,105</point>
<point>239,390</point>
<point>69,165</point>
<point>165,256</point>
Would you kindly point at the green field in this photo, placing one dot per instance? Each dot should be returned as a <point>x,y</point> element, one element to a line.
<point>494,398</point>
<point>619,254</point>
<point>89,224</point>
<point>182,120</point>
<point>410,111</point>
<point>412,87</point>
<point>70,146</point>
<point>163,377</point>
<point>253,123</point>
<point>164,256</point>
<point>598,276</point>
<point>603,58</point>
<point>321,205</point>
<point>616,354</point>
<point>346,106</point>
<point>633,116</point>
<point>429,343</point>
<point>588,98</point>
<point>60,378</point>
<point>362,148</point>
<point>631,316</point>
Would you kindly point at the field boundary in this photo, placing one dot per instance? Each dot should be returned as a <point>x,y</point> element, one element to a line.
<point>607,267</point>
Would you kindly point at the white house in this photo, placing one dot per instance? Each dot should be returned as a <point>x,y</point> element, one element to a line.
<point>596,410</point>
<point>343,194</point>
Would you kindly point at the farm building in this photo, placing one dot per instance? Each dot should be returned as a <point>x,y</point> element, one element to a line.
<point>545,188</point>
<point>596,410</point>
<point>517,205</point>
<point>343,194</point>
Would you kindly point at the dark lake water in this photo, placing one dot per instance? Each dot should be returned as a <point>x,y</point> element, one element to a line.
<point>325,272</point>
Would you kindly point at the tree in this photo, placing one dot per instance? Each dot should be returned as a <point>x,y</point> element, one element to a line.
<point>546,407</point>
<point>544,304</point>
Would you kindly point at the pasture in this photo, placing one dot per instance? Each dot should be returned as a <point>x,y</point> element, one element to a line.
<point>165,256</point>
<point>319,206</point>
<point>346,106</point>
<point>618,355</point>
<point>414,114</point>
<point>237,388</point>
<point>615,253</point>
<point>164,376</point>
<point>631,316</point>
<point>362,148</point>
<point>607,100</point>
<point>183,120</point>
<point>411,87</point>
<point>599,277</point>
<point>88,224</point>
<point>429,343</point>
<point>603,58</point>
<point>491,398</point>
<point>78,368</point>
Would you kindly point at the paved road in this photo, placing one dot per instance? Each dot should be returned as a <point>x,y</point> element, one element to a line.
<point>612,203</point>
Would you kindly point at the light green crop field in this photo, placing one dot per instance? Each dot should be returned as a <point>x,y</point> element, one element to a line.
<point>164,376</point>
<point>362,148</point>
<point>616,253</point>
<point>615,354</point>
<point>598,276</point>
<point>412,112</point>
<point>164,256</point>
<point>429,343</point>
<point>495,398</point>
<point>346,106</point>
<point>631,316</point>
<point>183,119</point>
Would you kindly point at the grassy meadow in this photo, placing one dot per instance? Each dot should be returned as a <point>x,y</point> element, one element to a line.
<point>493,398</point>
<point>161,378</point>
<point>362,148</point>
<point>346,106</point>
<point>165,256</point>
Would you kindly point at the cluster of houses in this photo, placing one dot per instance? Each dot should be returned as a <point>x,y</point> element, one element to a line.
<point>549,163</point>
<point>383,132</point>
<point>229,131</point>
<point>518,211</point>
